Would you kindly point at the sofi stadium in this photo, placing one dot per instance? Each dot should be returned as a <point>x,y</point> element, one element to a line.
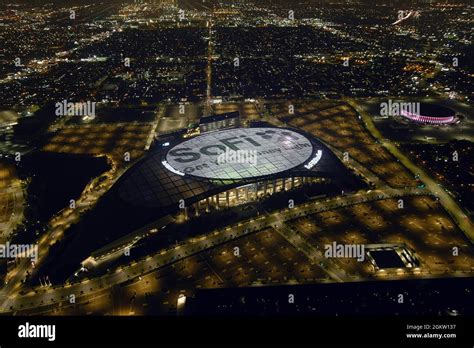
<point>230,167</point>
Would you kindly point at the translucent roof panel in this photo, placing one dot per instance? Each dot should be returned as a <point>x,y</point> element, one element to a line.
<point>240,153</point>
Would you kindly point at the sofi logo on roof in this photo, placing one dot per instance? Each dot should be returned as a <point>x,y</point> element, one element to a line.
<point>233,153</point>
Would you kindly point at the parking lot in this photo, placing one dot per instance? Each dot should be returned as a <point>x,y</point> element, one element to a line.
<point>337,124</point>
<point>113,140</point>
<point>422,225</point>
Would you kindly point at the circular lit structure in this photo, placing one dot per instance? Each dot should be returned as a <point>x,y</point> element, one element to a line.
<point>237,154</point>
<point>431,114</point>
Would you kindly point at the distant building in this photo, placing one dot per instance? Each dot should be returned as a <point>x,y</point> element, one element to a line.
<point>431,114</point>
<point>222,121</point>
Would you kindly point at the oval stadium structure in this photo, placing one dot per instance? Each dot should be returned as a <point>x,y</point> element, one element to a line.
<point>431,114</point>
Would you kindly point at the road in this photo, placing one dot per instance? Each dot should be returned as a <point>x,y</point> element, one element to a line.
<point>210,50</point>
<point>313,254</point>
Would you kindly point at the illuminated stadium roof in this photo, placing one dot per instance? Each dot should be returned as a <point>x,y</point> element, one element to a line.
<point>241,153</point>
<point>189,170</point>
